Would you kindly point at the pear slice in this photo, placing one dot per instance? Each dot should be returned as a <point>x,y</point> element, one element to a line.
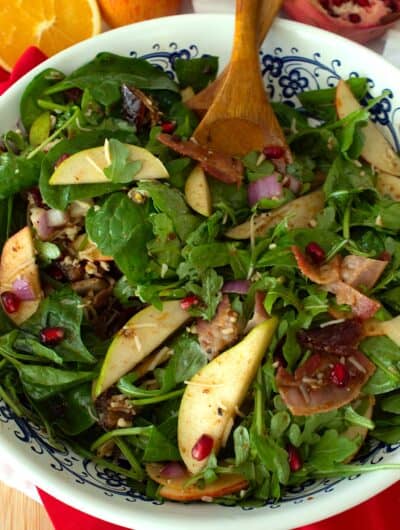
<point>174,488</point>
<point>139,337</point>
<point>377,150</point>
<point>197,192</point>
<point>388,185</point>
<point>213,395</point>
<point>18,262</point>
<point>390,328</point>
<point>298,213</point>
<point>86,167</point>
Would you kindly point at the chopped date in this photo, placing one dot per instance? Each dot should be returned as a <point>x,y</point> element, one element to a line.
<point>336,339</point>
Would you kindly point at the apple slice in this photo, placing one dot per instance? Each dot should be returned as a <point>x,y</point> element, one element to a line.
<point>174,488</point>
<point>141,335</point>
<point>213,396</point>
<point>299,213</point>
<point>388,185</point>
<point>377,150</point>
<point>197,192</point>
<point>18,262</point>
<point>86,167</point>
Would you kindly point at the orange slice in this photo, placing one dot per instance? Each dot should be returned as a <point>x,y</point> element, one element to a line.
<point>51,25</point>
<point>121,12</point>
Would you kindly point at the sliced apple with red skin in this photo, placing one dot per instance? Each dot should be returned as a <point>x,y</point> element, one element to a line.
<point>86,167</point>
<point>197,192</point>
<point>139,337</point>
<point>298,213</point>
<point>18,262</point>
<point>174,488</point>
<point>214,394</point>
<point>376,150</point>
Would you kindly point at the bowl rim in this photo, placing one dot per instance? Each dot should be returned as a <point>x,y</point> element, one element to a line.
<point>85,501</point>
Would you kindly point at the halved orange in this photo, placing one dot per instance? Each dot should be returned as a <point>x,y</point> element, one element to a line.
<point>121,12</point>
<point>51,25</point>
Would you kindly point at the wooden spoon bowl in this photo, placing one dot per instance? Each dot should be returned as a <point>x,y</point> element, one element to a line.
<point>241,118</point>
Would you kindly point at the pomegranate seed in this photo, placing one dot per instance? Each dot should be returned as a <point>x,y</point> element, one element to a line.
<point>189,301</point>
<point>52,336</point>
<point>294,458</point>
<point>274,151</point>
<point>385,256</point>
<point>363,3</point>
<point>168,127</point>
<point>10,302</point>
<point>354,18</point>
<point>338,3</point>
<point>60,160</point>
<point>203,447</point>
<point>315,252</point>
<point>339,375</point>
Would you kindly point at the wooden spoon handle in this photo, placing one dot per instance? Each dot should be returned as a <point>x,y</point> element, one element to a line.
<point>201,102</point>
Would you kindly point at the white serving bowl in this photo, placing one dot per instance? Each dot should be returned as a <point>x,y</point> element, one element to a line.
<point>295,57</point>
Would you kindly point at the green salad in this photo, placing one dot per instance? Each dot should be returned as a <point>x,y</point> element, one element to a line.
<point>214,328</point>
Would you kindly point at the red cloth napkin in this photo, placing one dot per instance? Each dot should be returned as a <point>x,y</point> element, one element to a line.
<point>379,513</point>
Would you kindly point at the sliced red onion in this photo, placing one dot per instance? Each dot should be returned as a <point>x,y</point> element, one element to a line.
<point>56,218</point>
<point>173,470</point>
<point>236,286</point>
<point>23,289</point>
<point>264,188</point>
<point>42,227</point>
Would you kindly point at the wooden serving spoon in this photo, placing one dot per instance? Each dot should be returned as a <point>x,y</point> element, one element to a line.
<point>202,101</point>
<point>241,118</point>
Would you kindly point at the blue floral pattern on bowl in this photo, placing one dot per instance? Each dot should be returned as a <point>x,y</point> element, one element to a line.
<point>286,74</point>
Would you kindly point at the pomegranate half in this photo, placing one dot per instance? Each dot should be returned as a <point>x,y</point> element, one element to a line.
<point>359,20</point>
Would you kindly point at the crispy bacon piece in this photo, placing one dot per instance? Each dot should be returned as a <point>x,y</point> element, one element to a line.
<point>222,167</point>
<point>362,306</point>
<point>329,276</point>
<point>337,339</point>
<point>220,332</point>
<point>311,390</point>
<point>358,271</point>
<point>321,274</point>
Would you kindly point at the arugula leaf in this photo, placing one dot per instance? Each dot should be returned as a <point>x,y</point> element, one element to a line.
<point>171,202</point>
<point>386,355</point>
<point>209,292</point>
<point>121,169</point>
<point>330,449</point>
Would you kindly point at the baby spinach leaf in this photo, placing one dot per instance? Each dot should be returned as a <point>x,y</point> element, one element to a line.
<point>77,410</point>
<point>17,173</point>
<point>120,228</point>
<point>386,355</point>
<point>29,108</point>
<point>196,73</point>
<point>41,382</point>
<point>121,169</point>
<point>27,344</point>
<point>391,404</point>
<point>62,308</point>
<point>159,449</point>
<point>105,74</point>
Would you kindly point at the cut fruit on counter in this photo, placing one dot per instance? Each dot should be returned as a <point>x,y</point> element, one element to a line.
<point>51,26</point>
